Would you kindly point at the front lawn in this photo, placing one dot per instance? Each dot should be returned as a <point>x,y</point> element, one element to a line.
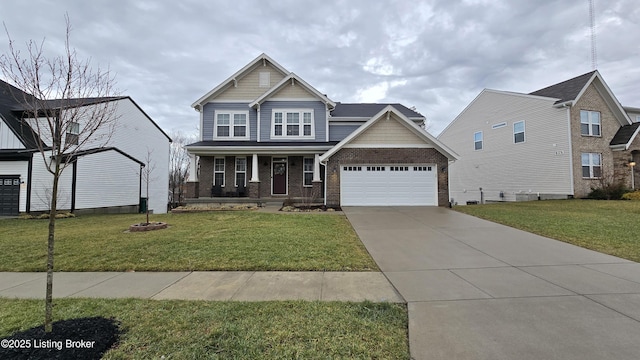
<point>610,227</point>
<point>229,240</point>
<point>233,330</point>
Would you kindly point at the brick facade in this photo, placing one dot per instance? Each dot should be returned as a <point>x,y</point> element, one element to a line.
<point>386,156</point>
<point>614,163</point>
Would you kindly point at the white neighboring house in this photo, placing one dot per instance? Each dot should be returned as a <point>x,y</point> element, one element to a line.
<point>101,178</point>
<point>561,141</point>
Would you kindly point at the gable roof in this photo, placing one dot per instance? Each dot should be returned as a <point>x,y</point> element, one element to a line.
<point>568,89</point>
<point>625,136</point>
<point>367,110</point>
<point>283,82</point>
<point>14,101</point>
<point>239,74</point>
<point>10,97</point>
<point>408,123</point>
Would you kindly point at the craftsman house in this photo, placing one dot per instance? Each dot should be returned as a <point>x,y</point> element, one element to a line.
<point>558,142</point>
<point>265,133</point>
<point>98,179</point>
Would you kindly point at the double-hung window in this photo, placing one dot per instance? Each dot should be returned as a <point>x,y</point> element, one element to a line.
<point>231,125</point>
<point>218,171</point>
<point>589,123</point>
<point>73,133</point>
<point>591,165</point>
<point>241,171</point>
<point>477,140</point>
<point>518,132</point>
<point>296,123</point>
<point>307,171</point>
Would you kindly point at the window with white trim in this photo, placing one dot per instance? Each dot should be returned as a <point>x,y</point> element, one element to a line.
<point>296,123</point>
<point>73,133</point>
<point>307,171</point>
<point>241,171</point>
<point>477,140</point>
<point>589,123</point>
<point>591,165</point>
<point>231,125</point>
<point>218,171</point>
<point>518,132</point>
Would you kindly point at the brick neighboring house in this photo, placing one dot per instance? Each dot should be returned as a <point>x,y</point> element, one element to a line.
<point>268,134</point>
<point>557,142</point>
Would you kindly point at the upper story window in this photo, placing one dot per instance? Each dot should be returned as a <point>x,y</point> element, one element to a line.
<point>477,140</point>
<point>518,132</point>
<point>292,123</point>
<point>231,125</point>
<point>589,123</point>
<point>73,132</point>
<point>637,118</point>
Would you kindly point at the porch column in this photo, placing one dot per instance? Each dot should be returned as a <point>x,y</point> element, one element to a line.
<point>193,168</point>
<point>254,183</point>
<point>254,168</point>
<point>316,168</point>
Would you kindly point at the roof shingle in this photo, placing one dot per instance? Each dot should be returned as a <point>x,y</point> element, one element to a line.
<point>566,90</point>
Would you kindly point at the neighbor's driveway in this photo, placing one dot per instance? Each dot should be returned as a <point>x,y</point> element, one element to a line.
<point>480,290</point>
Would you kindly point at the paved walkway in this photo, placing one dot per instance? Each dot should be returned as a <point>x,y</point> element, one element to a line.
<point>479,290</point>
<point>217,285</point>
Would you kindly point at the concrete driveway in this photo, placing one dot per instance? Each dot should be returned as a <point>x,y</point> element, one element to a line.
<point>479,290</point>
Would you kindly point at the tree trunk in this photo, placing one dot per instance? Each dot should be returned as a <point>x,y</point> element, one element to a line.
<point>48,311</point>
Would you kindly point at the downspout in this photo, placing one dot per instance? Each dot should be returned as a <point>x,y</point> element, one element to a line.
<point>29,173</point>
<point>572,180</point>
<point>325,181</point>
<point>74,175</point>
<point>258,125</point>
<point>327,114</point>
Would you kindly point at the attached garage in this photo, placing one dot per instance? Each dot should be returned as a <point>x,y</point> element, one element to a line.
<point>388,185</point>
<point>388,161</point>
<point>9,195</point>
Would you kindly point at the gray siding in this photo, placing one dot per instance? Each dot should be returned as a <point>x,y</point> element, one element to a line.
<point>208,120</point>
<point>319,116</point>
<point>339,132</point>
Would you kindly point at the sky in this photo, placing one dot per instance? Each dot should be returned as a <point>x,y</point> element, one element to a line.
<point>435,55</point>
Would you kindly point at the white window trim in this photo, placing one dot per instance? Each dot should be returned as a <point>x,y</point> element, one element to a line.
<point>235,177</point>
<point>481,140</point>
<point>304,172</point>
<point>284,124</point>
<point>591,165</point>
<point>524,132</point>
<point>224,164</point>
<point>591,123</point>
<point>231,126</point>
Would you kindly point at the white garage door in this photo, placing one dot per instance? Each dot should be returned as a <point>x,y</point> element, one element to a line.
<point>379,185</point>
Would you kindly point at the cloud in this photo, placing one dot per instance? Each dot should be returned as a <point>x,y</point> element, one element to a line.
<point>435,55</point>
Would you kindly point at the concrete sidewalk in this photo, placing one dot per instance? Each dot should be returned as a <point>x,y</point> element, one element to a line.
<point>218,286</point>
<point>479,290</point>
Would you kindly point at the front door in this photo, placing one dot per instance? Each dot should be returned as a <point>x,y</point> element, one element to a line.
<point>279,176</point>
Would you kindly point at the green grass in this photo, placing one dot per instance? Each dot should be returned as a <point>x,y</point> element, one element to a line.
<point>233,330</point>
<point>229,240</point>
<point>610,227</point>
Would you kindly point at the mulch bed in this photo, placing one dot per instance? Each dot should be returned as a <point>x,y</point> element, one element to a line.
<point>83,338</point>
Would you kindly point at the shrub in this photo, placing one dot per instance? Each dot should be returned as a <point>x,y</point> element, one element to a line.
<point>608,192</point>
<point>635,195</point>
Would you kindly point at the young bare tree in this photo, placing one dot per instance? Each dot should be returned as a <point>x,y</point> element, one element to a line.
<point>146,175</point>
<point>179,162</point>
<point>66,104</point>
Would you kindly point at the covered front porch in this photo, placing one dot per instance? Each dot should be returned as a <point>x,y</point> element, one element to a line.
<point>256,178</point>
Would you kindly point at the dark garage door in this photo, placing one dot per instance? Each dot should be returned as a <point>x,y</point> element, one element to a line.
<point>9,195</point>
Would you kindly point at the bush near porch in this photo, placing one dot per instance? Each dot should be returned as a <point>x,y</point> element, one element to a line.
<point>223,240</point>
<point>608,226</point>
